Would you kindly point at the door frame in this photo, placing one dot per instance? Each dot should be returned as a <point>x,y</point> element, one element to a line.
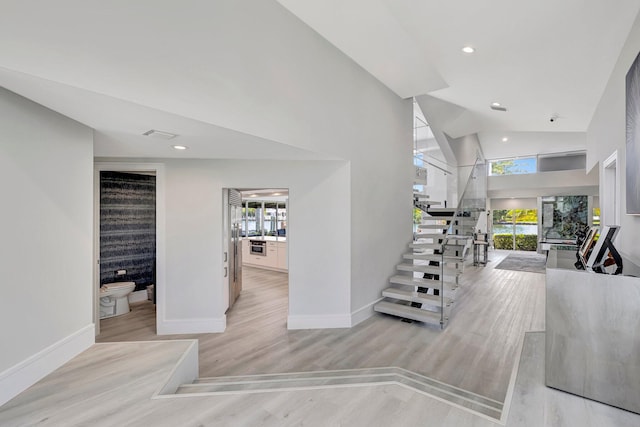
<point>159,170</point>
<point>610,191</point>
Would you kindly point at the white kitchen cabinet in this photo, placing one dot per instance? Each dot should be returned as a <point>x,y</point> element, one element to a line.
<point>282,256</point>
<point>275,259</point>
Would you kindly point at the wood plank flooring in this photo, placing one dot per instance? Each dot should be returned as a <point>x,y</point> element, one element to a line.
<point>476,351</point>
<point>112,384</point>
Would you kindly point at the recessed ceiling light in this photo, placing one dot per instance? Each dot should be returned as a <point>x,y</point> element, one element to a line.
<point>253,195</point>
<point>468,49</point>
<point>495,104</point>
<point>160,134</point>
<point>276,194</point>
<point>505,139</point>
<point>179,147</point>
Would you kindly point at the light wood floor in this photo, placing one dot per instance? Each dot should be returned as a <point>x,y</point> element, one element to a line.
<point>111,385</point>
<point>476,351</point>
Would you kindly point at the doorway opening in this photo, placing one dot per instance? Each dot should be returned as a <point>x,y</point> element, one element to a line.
<point>515,229</point>
<point>128,241</point>
<point>610,207</point>
<point>261,224</point>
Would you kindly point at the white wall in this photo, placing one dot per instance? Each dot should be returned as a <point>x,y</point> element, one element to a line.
<point>46,184</point>
<point>559,183</point>
<point>318,237</point>
<point>606,133</point>
<point>293,87</point>
<point>288,86</point>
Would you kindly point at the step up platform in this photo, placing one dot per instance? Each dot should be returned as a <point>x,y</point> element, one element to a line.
<point>365,377</point>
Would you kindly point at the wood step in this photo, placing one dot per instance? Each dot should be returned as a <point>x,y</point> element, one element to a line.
<point>419,268</point>
<point>435,236</point>
<point>408,312</point>
<point>401,279</point>
<point>448,258</point>
<point>422,256</point>
<point>430,223</point>
<point>423,245</point>
<point>430,269</point>
<point>412,296</point>
<point>441,212</point>
<point>434,257</point>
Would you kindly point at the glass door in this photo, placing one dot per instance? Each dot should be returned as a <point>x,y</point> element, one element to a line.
<point>515,229</point>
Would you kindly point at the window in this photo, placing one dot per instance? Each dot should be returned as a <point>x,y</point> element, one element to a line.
<point>513,166</point>
<point>515,229</point>
<point>596,217</point>
<point>264,218</point>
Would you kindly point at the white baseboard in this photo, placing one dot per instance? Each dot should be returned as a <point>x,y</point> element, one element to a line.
<point>138,296</point>
<point>19,377</point>
<point>319,322</point>
<point>363,313</point>
<point>191,326</point>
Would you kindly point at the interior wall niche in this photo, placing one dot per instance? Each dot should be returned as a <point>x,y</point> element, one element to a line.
<point>127,228</point>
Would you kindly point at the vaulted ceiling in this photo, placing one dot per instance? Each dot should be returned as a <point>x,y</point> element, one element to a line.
<point>107,64</point>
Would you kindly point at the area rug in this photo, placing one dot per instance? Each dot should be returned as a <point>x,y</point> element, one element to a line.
<point>533,262</point>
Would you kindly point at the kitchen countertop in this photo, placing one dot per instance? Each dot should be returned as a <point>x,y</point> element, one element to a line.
<point>268,238</point>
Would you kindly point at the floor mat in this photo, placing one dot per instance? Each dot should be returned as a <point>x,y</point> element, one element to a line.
<point>534,262</point>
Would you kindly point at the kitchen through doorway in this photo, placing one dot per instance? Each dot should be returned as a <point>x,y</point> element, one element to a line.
<point>263,255</point>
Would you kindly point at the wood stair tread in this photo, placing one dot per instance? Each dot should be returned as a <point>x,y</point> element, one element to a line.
<point>429,269</point>
<point>408,312</point>
<point>413,296</point>
<point>400,279</point>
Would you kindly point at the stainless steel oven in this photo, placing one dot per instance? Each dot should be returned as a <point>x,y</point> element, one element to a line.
<point>258,247</point>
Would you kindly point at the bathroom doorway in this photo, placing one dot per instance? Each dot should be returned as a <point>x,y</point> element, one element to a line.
<point>128,236</point>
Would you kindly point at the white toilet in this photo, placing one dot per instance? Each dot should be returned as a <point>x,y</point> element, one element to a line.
<point>114,298</point>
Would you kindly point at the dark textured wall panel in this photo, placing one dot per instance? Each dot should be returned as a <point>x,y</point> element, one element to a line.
<point>127,228</point>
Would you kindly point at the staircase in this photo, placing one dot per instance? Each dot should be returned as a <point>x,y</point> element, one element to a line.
<point>424,288</point>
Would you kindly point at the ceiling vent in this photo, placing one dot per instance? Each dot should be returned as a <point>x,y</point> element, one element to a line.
<point>159,134</point>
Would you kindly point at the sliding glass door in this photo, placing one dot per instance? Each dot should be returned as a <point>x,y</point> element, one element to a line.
<point>515,229</point>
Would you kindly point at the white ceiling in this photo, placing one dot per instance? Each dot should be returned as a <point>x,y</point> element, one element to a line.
<point>537,58</point>
<point>126,67</point>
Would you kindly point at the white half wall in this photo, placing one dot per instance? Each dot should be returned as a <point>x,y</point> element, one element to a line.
<point>46,184</point>
<point>559,183</point>
<point>606,133</point>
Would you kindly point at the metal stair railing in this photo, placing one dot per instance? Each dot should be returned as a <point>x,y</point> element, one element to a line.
<point>473,200</point>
